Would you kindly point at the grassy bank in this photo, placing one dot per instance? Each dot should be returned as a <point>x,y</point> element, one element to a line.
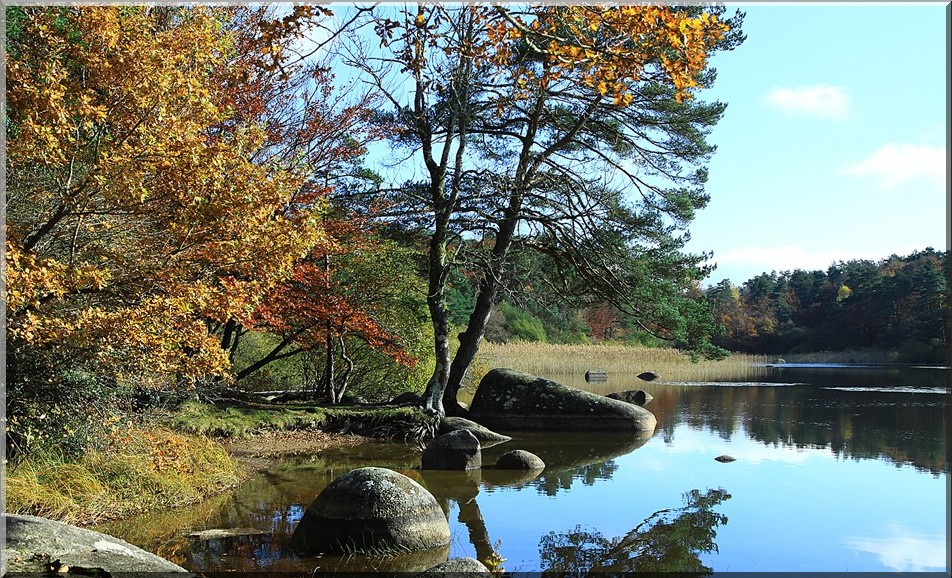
<point>134,469</point>
<point>177,459</point>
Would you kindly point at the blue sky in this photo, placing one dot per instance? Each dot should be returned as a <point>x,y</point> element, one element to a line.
<point>834,145</point>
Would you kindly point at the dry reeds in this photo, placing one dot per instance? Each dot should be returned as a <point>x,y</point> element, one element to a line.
<point>548,359</point>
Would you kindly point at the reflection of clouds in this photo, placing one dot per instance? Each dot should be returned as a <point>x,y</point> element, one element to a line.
<point>904,550</point>
<point>690,440</point>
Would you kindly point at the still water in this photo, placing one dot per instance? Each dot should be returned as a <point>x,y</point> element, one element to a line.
<point>838,468</point>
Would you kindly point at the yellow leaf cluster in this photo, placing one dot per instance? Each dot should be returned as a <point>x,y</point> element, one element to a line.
<point>606,47</point>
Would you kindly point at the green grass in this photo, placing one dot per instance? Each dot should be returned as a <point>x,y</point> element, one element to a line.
<point>209,420</point>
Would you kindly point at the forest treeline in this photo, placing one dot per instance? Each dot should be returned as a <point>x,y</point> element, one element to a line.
<point>898,306</point>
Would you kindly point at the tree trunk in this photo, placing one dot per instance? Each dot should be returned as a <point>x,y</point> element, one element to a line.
<point>470,339</point>
<point>328,379</point>
<point>436,302</point>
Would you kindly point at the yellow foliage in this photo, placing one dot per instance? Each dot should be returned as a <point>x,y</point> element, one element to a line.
<point>136,213</point>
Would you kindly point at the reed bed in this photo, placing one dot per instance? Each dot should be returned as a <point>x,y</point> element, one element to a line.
<point>548,359</point>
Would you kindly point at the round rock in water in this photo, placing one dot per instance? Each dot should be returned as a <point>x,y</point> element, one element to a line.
<point>648,376</point>
<point>725,459</point>
<point>457,450</point>
<point>519,460</point>
<point>371,510</point>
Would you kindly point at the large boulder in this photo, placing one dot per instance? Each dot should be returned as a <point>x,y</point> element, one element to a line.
<point>38,546</point>
<point>486,436</point>
<point>508,399</point>
<point>457,450</point>
<point>635,396</point>
<point>371,510</point>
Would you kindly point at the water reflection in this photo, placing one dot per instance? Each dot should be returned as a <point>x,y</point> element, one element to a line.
<point>669,540</point>
<point>893,413</point>
<point>582,456</point>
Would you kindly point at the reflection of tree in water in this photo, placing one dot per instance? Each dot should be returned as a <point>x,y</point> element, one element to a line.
<point>905,428</point>
<point>551,482</point>
<point>669,540</point>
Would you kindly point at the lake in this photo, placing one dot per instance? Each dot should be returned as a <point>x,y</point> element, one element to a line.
<point>839,468</point>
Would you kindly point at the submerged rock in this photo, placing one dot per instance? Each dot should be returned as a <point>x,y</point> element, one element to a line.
<point>36,546</point>
<point>635,396</point>
<point>486,436</point>
<point>508,399</point>
<point>457,567</point>
<point>371,510</point>
<point>457,450</point>
<point>725,459</point>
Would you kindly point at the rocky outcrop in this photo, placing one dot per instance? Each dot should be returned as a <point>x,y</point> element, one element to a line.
<point>371,510</point>
<point>508,399</point>
<point>39,546</point>
<point>635,396</point>
<point>519,460</point>
<point>457,567</point>
<point>487,437</point>
<point>457,450</point>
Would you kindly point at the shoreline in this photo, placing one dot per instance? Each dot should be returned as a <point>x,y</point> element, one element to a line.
<point>259,452</point>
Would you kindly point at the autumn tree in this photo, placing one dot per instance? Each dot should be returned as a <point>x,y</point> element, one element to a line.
<point>154,190</point>
<point>542,123</point>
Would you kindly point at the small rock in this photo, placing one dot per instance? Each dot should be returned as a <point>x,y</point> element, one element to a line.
<point>725,459</point>
<point>635,396</point>
<point>648,376</point>
<point>457,450</point>
<point>519,460</point>
<point>487,437</point>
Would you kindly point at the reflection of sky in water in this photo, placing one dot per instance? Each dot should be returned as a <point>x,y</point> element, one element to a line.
<point>904,550</point>
<point>792,509</point>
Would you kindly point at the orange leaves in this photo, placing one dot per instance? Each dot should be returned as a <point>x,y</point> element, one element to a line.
<point>607,48</point>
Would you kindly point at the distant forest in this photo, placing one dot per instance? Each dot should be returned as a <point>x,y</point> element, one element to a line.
<point>899,304</point>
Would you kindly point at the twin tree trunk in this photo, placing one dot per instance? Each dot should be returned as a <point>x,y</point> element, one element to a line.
<point>470,339</point>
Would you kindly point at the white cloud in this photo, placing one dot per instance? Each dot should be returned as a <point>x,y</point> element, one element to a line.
<point>786,258</point>
<point>905,551</point>
<point>895,164</point>
<point>820,100</point>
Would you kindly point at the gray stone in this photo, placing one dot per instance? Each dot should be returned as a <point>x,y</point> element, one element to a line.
<point>457,450</point>
<point>371,510</point>
<point>37,545</point>
<point>635,396</point>
<point>487,437</point>
<point>519,460</point>
<point>457,567</point>
<point>725,459</point>
<point>508,399</point>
